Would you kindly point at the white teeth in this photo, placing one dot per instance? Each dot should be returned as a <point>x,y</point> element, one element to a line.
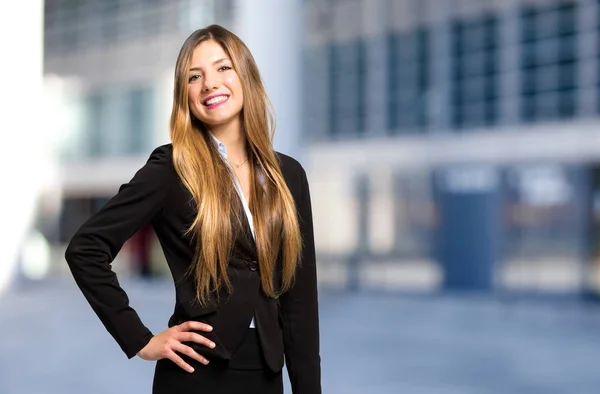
<point>216,100</point>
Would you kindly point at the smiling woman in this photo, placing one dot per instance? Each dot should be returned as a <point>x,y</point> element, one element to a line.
<point>234,220</point>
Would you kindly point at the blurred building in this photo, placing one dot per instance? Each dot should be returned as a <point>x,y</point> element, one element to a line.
<point>412,96</point>
<point>401,101</point>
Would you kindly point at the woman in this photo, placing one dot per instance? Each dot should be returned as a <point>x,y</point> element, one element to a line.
<point>234,220</point>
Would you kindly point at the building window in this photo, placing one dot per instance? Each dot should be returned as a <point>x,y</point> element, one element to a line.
<point>141,121</point>
<point>118,121</point>
<point>93,123</point>
<point>408,66</point>
<point>347,73</point>
<point>548,61</point>
<point>475,74</point>
<point>314,92</point>
<point>195,14</point>
<point>598,57</point>
<point>72,25</point>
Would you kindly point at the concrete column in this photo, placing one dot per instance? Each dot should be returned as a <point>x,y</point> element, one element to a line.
<point>272,31</point>
<point>23,111</point>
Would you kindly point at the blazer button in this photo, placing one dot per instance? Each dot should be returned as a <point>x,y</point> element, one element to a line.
<point>253,266</point>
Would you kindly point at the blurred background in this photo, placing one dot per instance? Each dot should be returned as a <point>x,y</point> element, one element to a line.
<point>453,152</point>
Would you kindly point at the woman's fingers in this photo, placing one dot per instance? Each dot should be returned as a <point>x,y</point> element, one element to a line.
<point>193,337</point>
<point>194,326</point>
<point>183,333</point>
<point>179,361</point>
<point>188,351</point>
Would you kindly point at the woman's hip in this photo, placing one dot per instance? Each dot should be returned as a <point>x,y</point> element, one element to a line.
<point>245,373</point>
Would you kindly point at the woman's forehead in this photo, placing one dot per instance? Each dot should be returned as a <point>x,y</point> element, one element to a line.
<point>208,53</point>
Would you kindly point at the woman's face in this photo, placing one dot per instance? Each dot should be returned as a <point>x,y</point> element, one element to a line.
<point>214,89</point>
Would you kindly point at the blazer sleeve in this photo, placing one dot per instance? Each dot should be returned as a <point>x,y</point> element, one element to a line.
<point>95,245</point>
<point>299,310</point>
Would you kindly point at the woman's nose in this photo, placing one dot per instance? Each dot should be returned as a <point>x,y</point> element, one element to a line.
<point>210,83</point>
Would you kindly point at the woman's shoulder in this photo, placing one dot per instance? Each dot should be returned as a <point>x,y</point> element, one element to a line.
<point>159,164</point>
<point>290,167</point>
<point>162,156</point>
<point>163,152</point>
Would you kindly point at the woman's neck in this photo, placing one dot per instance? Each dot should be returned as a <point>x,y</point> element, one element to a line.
<point>234,139</point>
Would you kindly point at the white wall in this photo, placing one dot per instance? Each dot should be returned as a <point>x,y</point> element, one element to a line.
<point>24,156</point>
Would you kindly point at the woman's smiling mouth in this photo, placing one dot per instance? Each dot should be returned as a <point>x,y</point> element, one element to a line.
<point>215,101</point>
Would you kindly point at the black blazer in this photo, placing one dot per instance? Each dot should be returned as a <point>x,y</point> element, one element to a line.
<point>286,326</point>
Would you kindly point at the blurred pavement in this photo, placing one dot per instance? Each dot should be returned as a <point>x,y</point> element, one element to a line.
<point>52,342</point>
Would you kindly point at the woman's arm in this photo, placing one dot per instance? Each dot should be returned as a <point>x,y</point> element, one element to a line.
<point>95,245</point>
<point>299,310</point>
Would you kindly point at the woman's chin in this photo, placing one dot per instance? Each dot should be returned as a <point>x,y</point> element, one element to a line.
<point>219,120</point>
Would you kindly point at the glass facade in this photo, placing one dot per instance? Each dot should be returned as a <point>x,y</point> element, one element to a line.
<point>75,25</point>
<point>549,61</point>
<point>408,80</point>
<point>546,214</point>
<point>316,107</point>
<point>474,97</point>
<point>141,119</point>
<point>347,88</point>
<point>536,47</point>
<point>117,121</point>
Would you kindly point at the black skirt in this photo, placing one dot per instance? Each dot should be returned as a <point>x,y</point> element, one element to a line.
<point>245,373</point>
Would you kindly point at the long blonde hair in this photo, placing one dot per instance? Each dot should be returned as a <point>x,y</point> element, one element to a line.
<point>207,178</point>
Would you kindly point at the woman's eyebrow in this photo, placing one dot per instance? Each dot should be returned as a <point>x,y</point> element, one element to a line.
<point>215,62</point>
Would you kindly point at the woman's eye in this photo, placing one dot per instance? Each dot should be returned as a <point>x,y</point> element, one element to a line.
<point>224,68</point>
<point>193,78</point>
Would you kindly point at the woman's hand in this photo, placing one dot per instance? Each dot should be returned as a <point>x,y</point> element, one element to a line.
<point>165,344</point>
